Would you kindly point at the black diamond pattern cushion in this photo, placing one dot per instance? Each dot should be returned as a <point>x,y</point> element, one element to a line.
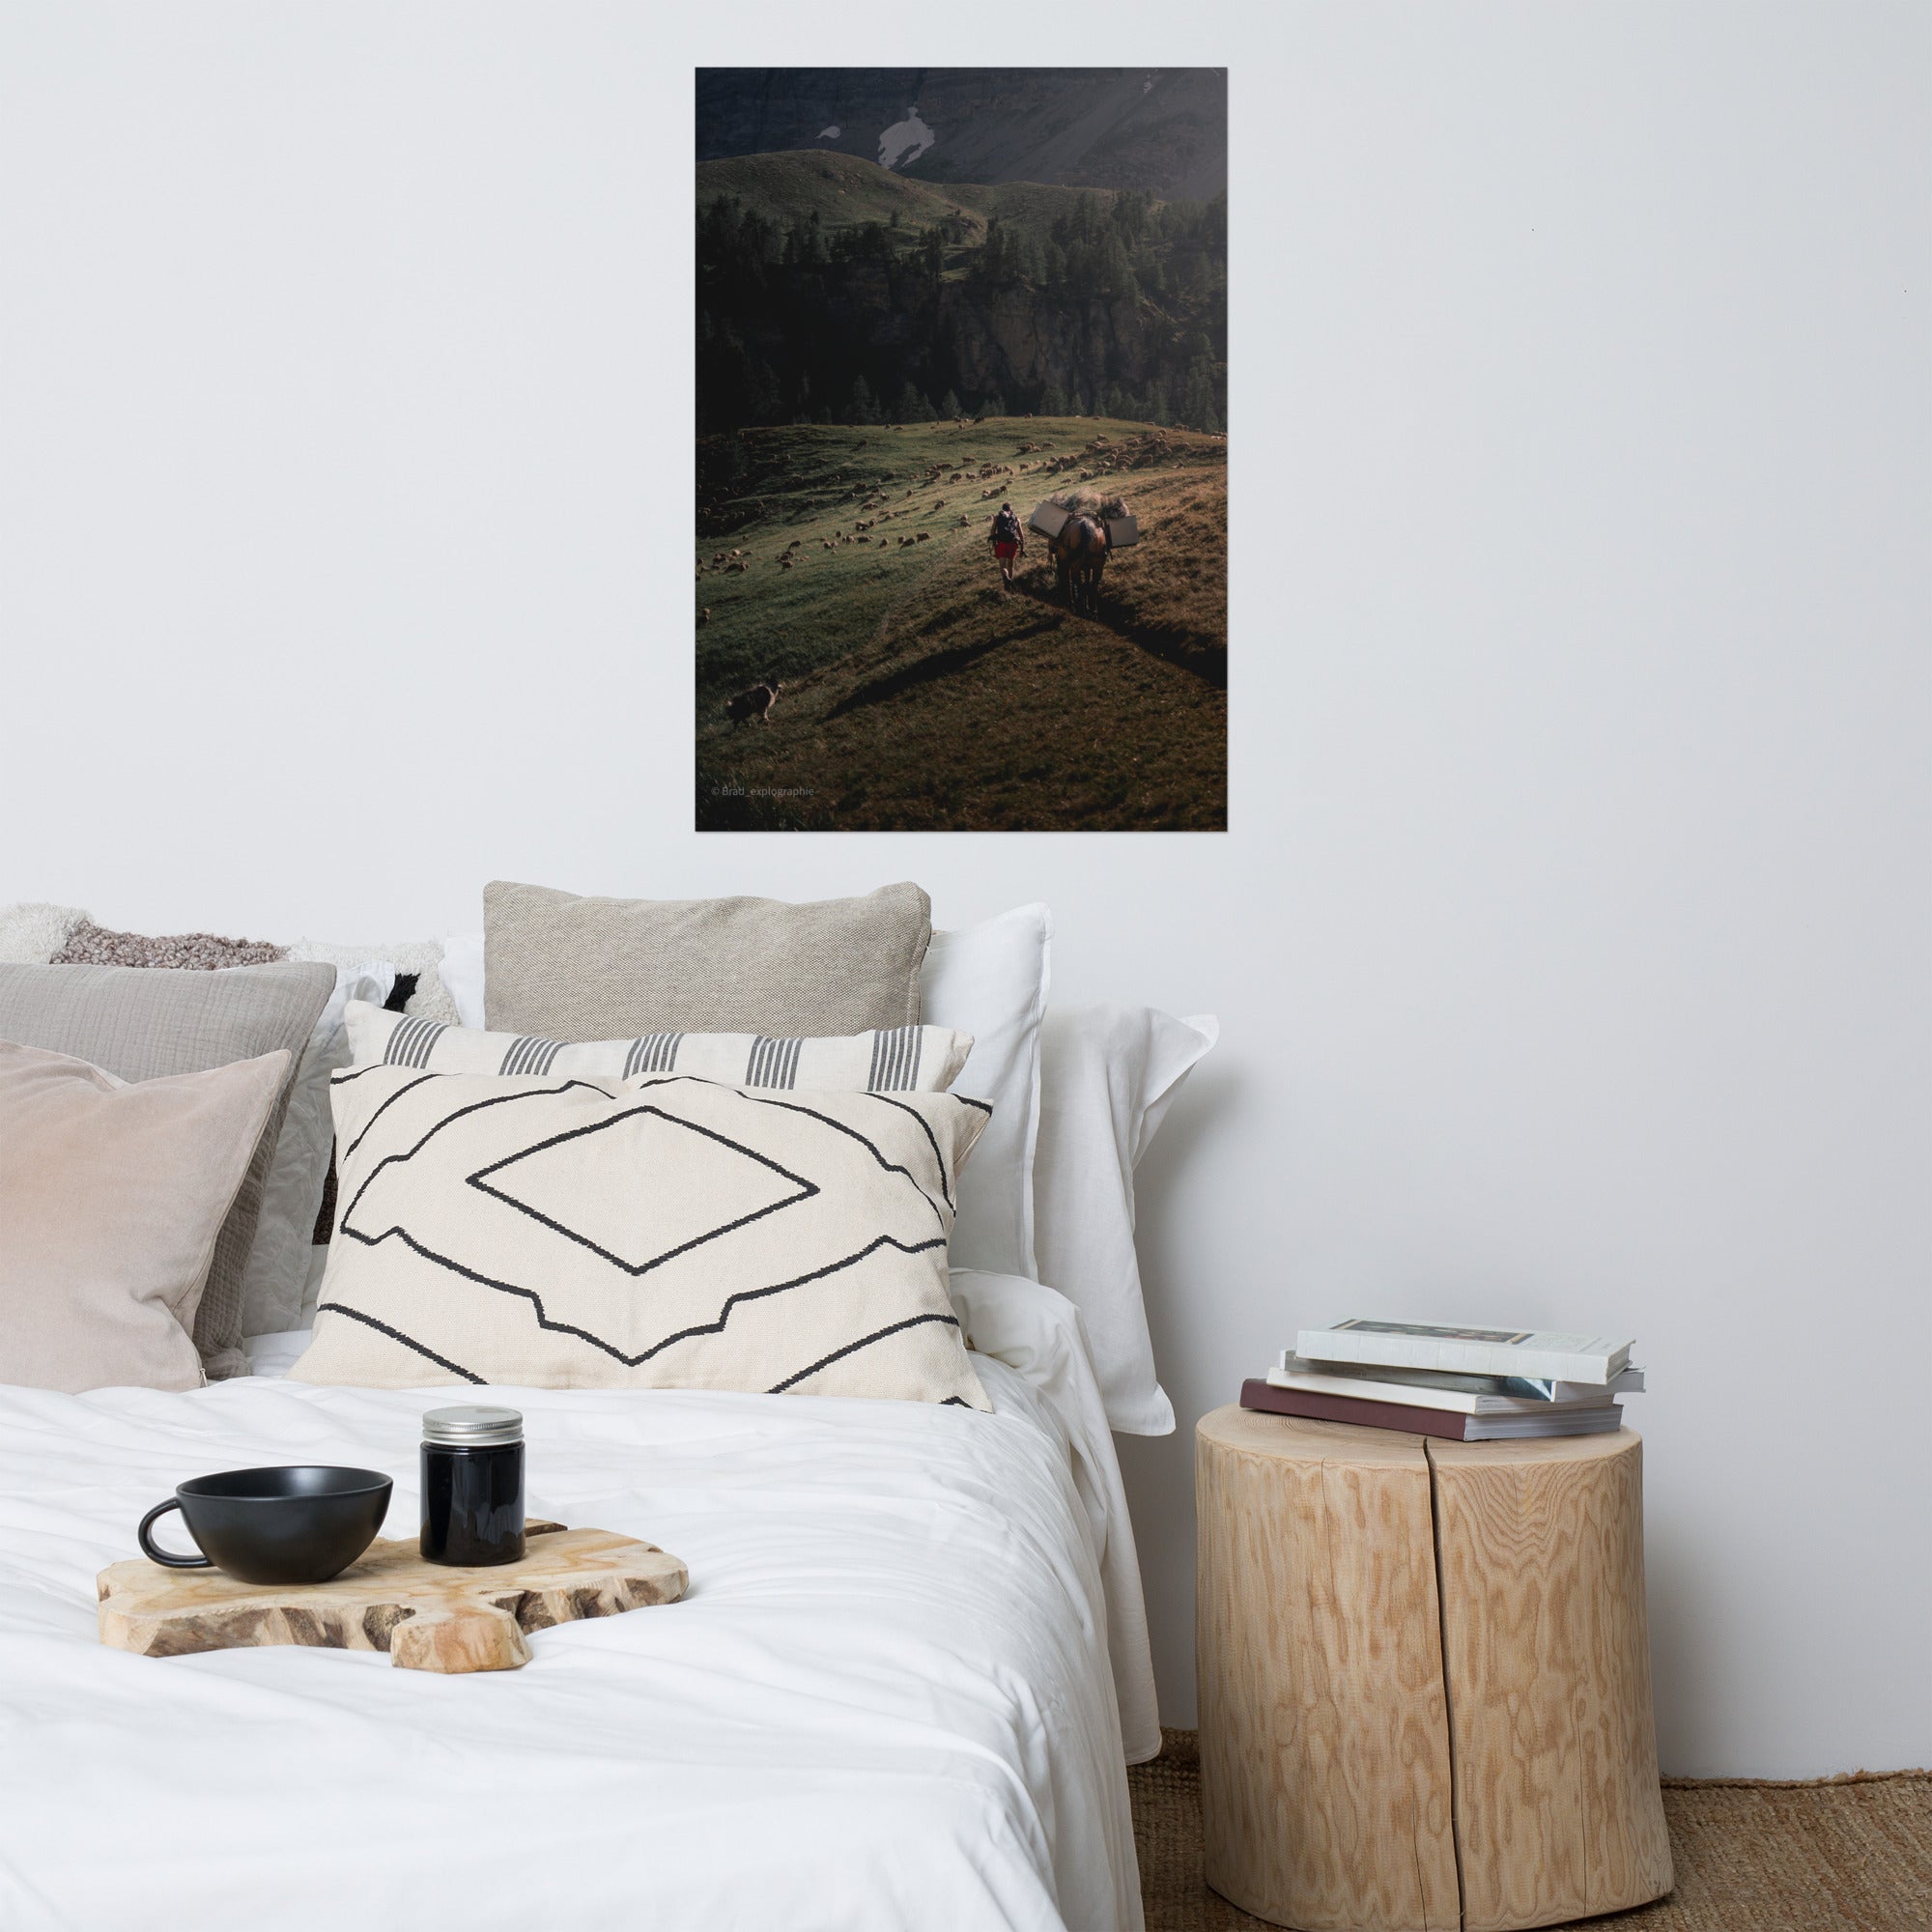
<point>661,1232</point>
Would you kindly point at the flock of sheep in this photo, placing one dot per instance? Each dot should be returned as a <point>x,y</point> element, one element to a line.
<point>1097,459</point>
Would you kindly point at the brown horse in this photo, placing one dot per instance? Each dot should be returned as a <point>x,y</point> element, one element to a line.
<point>1079,555</point>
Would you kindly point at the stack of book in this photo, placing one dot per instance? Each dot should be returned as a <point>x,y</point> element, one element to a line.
<point>1468,1384</point>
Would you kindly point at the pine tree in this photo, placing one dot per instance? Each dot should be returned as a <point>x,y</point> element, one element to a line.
<point>949,404</point>
<point>1054,401</point>
<point>995,405</point>
<point>863,408</point>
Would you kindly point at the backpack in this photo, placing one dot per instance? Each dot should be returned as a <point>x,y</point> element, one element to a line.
<point>1006,528</point>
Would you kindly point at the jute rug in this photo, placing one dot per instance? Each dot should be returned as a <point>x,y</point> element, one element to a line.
<point>1849,1855</point>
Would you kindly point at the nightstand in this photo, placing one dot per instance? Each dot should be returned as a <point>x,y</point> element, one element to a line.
<point>1425,1677</point>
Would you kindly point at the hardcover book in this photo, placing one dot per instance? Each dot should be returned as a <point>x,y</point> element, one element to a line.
<point>1583,1419</point>
<point>1459,1394</point>
<point>1468,1350</point>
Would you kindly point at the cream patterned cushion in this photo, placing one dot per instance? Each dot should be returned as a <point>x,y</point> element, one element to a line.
<point>661,1232</point>
<point>893,1060</point>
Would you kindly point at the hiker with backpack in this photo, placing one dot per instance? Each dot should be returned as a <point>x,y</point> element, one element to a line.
<point>1009,541</point>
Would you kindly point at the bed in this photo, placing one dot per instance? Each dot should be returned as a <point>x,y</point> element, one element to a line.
<point>901,1691</point>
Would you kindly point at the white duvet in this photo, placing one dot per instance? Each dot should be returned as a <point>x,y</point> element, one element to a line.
<point>887,1701</point>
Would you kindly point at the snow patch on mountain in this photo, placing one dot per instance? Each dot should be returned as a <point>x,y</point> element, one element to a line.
<point>905,141</point>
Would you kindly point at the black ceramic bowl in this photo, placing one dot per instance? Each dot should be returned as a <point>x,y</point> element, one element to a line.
<point>301,1525</point>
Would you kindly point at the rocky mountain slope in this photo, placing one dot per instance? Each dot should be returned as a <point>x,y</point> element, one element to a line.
<point>1160,129</point>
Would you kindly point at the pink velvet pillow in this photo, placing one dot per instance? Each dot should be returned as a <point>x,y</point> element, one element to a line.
<point>111,1196</point>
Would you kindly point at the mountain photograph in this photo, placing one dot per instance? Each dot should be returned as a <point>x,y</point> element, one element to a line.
<point>961,464</point>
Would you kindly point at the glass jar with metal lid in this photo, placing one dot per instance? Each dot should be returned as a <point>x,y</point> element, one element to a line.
<point>473,1486</point>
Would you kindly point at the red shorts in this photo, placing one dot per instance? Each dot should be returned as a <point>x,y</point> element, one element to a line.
<point>1005,551</point>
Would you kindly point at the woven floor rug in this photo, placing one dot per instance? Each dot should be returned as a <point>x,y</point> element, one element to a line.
<point>1851,1855</point>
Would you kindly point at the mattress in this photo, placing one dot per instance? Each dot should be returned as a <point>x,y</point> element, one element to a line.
<point>887,1699</point>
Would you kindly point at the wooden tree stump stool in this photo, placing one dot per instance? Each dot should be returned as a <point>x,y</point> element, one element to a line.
<point>1425,1677</point>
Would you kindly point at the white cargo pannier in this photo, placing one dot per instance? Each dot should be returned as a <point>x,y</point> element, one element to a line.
<point>1048,518</point>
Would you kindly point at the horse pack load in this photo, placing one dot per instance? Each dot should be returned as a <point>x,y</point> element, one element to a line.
<point>1083,528</point>
<point>1049,517</point>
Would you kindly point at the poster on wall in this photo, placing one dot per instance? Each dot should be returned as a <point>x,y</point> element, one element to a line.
<point>963,449</point>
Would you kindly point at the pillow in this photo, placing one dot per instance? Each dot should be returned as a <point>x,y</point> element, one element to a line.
<point>1108,1076</point>
<point>421,959</point>
<point>298,1167</point>
<point>569,968</point>
<point>461,970</point>
<point>112,1195</point>
<point>278,1258</point>
<point>658,1233</point>
<point>32,933</point>
<point>90,945</point>
<point>140,1025</point>
<point>990,980</point>
<point>908,1059</point>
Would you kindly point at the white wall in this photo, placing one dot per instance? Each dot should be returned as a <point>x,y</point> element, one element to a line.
<point>1571,940</point>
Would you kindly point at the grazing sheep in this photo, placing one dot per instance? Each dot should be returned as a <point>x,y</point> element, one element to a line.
<point>921,536</point>
<point>754,702</point>
<point>704,615</point>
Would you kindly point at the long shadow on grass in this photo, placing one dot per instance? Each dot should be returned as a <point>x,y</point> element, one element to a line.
<point>1209,664</point>
<point>929,670</point>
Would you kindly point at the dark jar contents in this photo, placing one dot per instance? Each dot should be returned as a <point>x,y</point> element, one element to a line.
<point>473,1486</point>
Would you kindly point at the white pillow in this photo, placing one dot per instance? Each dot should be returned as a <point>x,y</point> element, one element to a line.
<point>461,972</point>
<point>278,1266</point>
<point>1109,1075</point>
<point>421,956</point>
<point>991,980</point>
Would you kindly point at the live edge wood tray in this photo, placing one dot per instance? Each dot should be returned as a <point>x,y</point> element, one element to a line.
<point>428,1616</point>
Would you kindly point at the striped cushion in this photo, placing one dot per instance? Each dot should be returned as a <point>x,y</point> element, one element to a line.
<point>896,1059</point>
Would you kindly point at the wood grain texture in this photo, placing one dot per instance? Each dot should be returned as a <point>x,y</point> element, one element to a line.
<point>1546,1653</point>
<point>1325,1762</point>
<point>426,1615</point>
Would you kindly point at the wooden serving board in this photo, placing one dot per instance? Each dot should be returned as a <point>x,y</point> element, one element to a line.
<point>426,1615</point>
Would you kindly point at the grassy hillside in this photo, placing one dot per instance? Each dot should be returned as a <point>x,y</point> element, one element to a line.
<point>917,693</point>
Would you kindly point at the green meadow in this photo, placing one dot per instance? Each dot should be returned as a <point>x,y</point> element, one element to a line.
<point>916,694</point>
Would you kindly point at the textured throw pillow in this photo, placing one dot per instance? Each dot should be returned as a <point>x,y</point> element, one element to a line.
<point>659,1232</point>
<point>112,1194</point>
<point>90,945</point>
<point>569,968</point>
<point>923,1059</point>
<point>418,964</point>
<point>990,980</point>
<point>141,1025</point>
<point>1108,1076</point>
<point>298,1177</point>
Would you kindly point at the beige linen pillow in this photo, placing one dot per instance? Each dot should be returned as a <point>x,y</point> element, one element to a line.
<point>141,1025</point>
<point>570,968</point>
<point>112,1195</point>
<point>655,1233</point>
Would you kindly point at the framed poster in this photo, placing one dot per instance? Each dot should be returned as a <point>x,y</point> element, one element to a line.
<point>963,449</point>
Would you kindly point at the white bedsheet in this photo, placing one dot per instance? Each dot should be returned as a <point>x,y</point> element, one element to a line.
<point>885,1701</point>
